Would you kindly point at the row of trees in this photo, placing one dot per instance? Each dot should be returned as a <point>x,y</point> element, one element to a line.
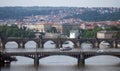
<point>96,16</point>
<point>87,15</point>
<point>91,33</point>
<point>22,12</point>
<point>14,31</point>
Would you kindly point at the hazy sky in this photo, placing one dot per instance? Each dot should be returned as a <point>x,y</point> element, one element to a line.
<point>69,3</point>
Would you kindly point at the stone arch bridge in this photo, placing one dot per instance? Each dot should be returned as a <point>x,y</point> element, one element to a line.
<point>58,41</point>
<point>80,55</point>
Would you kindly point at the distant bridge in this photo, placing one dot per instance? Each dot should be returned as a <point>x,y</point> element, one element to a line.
<point>59,41</point>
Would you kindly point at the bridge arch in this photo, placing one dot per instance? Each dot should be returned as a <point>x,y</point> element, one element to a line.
<point>44,56</point>
<point>27,56</point>
<point>110,41</point>
<point>102,60</point>
<point>68,43</point>
<point>73,42</point>
<point>30,44</point>
<point>49,44</point>
<point>105,44</point>
<point>65,59</point>
<point>89,56</point>
<point>52,41</point>
<point>86,45</point>
<point>11,44</point>
<point>92,41</point>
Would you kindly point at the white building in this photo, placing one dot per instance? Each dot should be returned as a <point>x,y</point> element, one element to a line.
<point>83,26</point>
<point>74,34</point>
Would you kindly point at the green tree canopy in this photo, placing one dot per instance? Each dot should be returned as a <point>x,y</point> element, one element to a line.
<point>14,31</point>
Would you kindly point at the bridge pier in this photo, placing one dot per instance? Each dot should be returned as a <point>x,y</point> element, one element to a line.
<point>96,45</point>
<point>21,45</point>
<point>36,60</point>
<point>3,45</point>
<point>81,60</point>
<point>115,44</point>
<point>0,43</point>
<point>59,43</point>
<point>78,44</point>
<point>75,45</point>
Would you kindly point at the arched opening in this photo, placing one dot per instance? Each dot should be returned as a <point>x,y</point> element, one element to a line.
<point>11,44</point>
<point>21,60</point>
<point>104,45</point>
<point>68,44</point>
<point>103,60</point>
<point>49,44</point>
<point>58,60</point>
<point>30,44</point>
<point>86,45</point>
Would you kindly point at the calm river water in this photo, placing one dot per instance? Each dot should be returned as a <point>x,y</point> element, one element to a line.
<point>62,63</point>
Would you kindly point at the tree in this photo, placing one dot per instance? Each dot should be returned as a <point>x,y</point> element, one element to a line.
<point>113,28</point>
<point>14,31</point>
<point>91,33</point>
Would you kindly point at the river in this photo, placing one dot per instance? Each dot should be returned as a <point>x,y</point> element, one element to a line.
<point>61,62</point>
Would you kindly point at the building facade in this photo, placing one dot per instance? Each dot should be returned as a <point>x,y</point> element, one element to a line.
<point>106,34</point>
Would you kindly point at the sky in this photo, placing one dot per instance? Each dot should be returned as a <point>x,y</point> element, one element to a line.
<point>62,3</point>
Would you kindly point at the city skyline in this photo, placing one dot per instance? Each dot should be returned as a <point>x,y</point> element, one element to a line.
<point>61,3</point>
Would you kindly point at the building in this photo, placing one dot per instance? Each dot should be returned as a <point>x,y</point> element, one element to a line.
<point>87,25</point>
<point>52,35</point>
<point>43,27</point>
<point>106,34</point>
<point>40,27</point>
<point>74,34</point>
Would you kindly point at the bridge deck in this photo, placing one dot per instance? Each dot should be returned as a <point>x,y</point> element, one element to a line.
<point>76,50</point>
